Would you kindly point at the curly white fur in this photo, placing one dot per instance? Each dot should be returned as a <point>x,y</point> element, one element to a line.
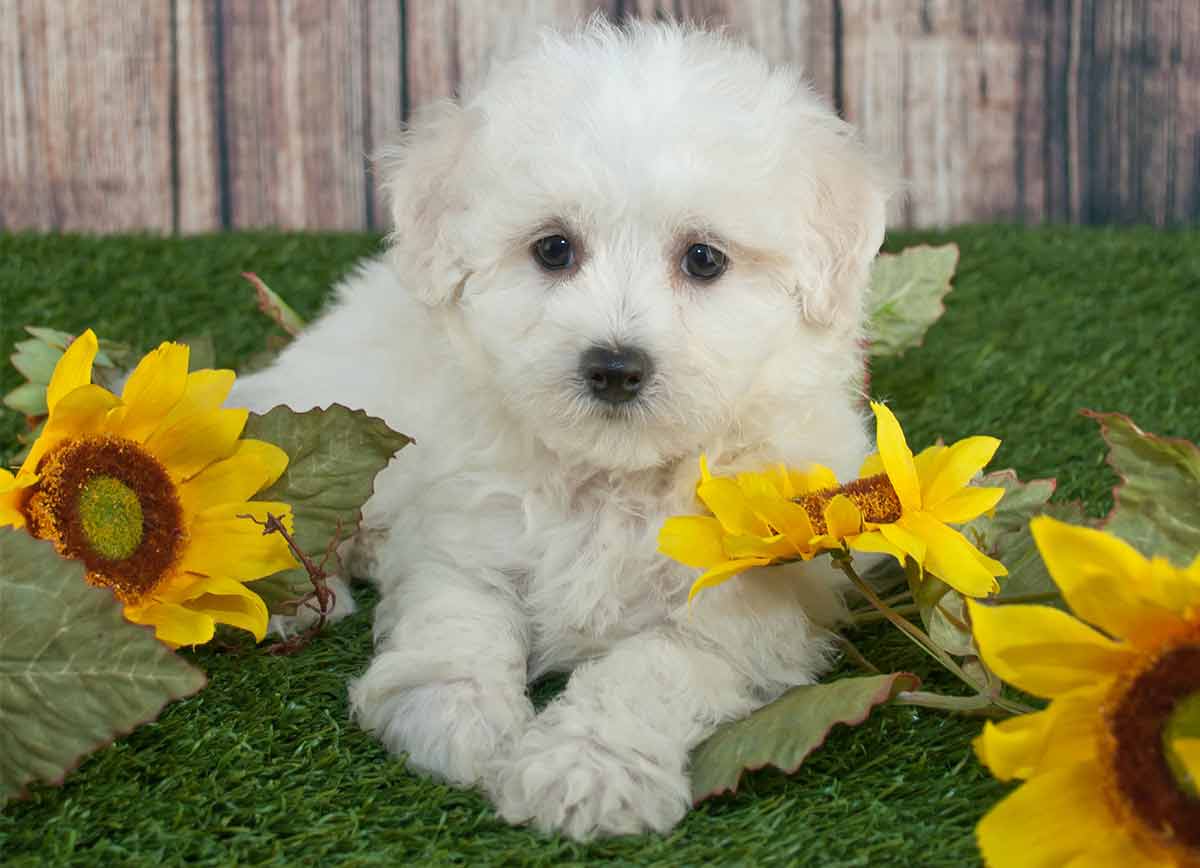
<point>520,530</point>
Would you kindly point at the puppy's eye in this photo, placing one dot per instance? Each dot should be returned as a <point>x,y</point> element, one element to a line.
<point>704,262</point>
<point>554,252</point>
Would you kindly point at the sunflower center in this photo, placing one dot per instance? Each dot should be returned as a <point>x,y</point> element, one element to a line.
<point>1151,781</point>
<point>874,496</point>
<point>111,517</point>
<point>106,501</point>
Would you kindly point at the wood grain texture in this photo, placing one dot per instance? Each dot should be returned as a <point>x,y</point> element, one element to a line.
<point>383,91</point>
<point>450,43</point>
<point>197,83</point>
<point>85,115</point>
<point>937,87</point>
<point>798,32</point>
<point>293,77</point>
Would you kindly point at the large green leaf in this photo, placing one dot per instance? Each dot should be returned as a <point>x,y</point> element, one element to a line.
<point>905,296</point>
<point>333,456</point>
<point>1005,534</point>
<point>784,733</point>
<point>74,674</point>
<point>1157,503</point>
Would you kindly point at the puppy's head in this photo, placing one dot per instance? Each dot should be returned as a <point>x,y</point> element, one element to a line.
<point>653,239</point>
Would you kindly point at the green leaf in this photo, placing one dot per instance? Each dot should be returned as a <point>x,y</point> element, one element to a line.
<point>786,732</point>
<point>1157,503</point>
<point>333,456</point>
<point>275,307</point>
<point>28,399</point>
<point>202,354</point>
<point>905,296</point>
<point>35,360</point>
<point>74,674</point>
<point>1005,534</point>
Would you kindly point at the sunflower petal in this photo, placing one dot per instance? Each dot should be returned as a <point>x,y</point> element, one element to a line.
<point>951,557</point>
<point>188,445</point>
<point>224,543</point>
<point>12,490</point>
<point>254,466</point>
<point>817,477</point>
<point>956,467</point>
<point>897,457</point>
<point>929,460</point>
<point>842,517</point>
<point>872,466</point>
<point>156,385</point>
<point>73,370</point>
<point>81,411</point>
<point>204,390</point>
<point>1115,846</point>
<point>726,500</point>
<point>227,602</point>
<point>772,548</point>
<point>1106,581</point>
<point>1044,651</point>
<point>758,485</point>
<point>694,540</point>
<point>1047,821</point>
<point>174,624</point>
<point>1030,744</point>
<point>968,504</point>
<point>906,541</point>
<point>723,573</point>
<point>789,519</point>
<point>875,542</point>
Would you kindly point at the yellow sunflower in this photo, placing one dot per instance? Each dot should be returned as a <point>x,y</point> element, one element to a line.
<point>1112,765</point>
<point>915,500</point>
<point>146,489</point>
<point>755,521</point>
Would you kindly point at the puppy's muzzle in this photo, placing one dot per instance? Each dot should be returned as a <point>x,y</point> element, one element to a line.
<point>614,375</point>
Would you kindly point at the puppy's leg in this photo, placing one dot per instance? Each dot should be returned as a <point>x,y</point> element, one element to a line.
<point>609,756</point>
<point>447,685</point>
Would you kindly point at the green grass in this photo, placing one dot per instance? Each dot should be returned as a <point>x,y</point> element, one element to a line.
<point>262,767</point>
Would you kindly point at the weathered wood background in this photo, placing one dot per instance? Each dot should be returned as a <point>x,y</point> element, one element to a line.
<point>199,115</point>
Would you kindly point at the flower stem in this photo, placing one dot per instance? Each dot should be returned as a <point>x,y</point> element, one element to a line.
<point>921,639</point>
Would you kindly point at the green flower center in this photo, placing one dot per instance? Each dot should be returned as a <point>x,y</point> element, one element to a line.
<point>111,516</point>
<point>1184,722</point>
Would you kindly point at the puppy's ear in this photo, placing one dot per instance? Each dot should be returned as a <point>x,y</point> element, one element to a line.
<point>421,180</point>
<point>847,215</point>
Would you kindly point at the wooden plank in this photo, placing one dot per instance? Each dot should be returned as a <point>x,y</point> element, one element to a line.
<point>938,86</point>
<point>1143,123</point>
<point>293,75</point>
<point>198,100</point>
<point>450,44</point>
<point>383,90</point>
<point>797,32</point>
<point>85,122</point>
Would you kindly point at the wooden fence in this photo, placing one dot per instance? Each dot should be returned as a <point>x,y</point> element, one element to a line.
<point>200,115</point>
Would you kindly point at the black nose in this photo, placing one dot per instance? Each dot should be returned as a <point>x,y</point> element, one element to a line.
<point>614,375</point>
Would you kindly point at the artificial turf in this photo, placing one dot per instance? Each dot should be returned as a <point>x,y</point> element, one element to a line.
<point>263,767</point>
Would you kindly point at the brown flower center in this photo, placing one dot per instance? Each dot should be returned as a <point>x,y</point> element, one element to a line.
<point>1138,724</point>
<point>874,496</point>
<point>107,502</point>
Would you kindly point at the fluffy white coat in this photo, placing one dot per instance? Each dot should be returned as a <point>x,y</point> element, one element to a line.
<point>518,536</point>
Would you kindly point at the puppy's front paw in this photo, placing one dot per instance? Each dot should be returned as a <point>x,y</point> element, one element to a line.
<point>450,730</point>
<point>585,789</point>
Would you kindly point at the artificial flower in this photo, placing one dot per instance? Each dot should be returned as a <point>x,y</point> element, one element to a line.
<point>908,503</point>
<point>1112,765</point>
<point>150,491</point>
<point>755,521</point>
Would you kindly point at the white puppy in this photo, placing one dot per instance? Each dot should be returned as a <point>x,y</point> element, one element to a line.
<point>628,247</point>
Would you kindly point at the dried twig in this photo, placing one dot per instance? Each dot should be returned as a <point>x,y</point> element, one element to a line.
<point>321,599</point>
